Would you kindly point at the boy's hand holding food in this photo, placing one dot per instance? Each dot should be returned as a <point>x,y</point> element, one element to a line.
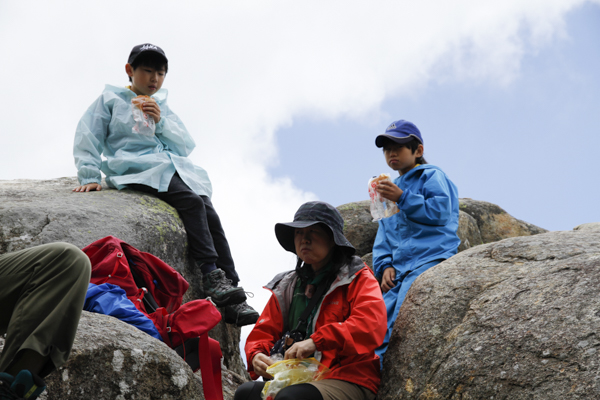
<point>149,106</point>
<point>152,109</point>
<point>389,190</point>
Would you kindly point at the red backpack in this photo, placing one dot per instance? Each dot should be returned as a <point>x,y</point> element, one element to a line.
<point>156,289</point>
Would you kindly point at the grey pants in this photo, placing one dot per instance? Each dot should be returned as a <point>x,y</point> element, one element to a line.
<point>42,290</point>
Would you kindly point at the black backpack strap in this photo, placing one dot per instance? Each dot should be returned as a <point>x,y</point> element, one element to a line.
<point>149,302</point>
<point>313,302</point>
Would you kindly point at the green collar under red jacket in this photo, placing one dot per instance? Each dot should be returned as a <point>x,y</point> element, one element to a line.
<point>348,326</point>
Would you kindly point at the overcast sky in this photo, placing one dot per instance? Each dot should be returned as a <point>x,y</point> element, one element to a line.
<point>284,99</point>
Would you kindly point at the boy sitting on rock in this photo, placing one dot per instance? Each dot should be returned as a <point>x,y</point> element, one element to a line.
<point>423,232</point>
<point>146,147</point>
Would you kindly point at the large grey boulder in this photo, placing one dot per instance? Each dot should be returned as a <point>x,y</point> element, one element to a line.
<point>113,360</point>
<point>496,224</point>
<point>514,319</point>
<point>34,212</point>
<point>359,227</point>
<point>590,226</point>
<point>468,231</point>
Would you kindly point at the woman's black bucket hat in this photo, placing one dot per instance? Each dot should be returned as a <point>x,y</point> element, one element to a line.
<point>311,213</point>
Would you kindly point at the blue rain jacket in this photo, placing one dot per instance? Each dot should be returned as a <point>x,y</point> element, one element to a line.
<point>419,236</point>
<point>425,228</point>
<point>109,299</point>
<point>106,129</point>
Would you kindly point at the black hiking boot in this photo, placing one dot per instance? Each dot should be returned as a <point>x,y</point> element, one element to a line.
<point>221,290</point>
<point>25,385</point>
<point>240,314</point>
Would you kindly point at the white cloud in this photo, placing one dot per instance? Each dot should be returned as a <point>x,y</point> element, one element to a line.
<point>241,70</point>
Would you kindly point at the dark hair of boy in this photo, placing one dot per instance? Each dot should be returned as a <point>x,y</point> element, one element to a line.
<point>150,59</point>
<point>413,145</point>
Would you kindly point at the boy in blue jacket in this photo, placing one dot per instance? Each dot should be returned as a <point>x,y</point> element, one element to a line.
<point>423,232</point>
<point>155,161</point>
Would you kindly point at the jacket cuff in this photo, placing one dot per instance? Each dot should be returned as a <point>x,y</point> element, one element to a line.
<point>85,181</point>
<point>319,341</point>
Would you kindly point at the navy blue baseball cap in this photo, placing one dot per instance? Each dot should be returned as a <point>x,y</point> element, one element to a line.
<point>141,48</point>
<point>400,131</point>
<point>312,213</point>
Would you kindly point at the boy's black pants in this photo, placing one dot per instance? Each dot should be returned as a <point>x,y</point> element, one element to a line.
<point>206,238</point>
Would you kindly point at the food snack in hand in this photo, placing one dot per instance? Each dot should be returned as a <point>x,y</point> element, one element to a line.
<point>382,177</point>
<point>140,100</point>
<point>144,125</point>
<point>380,206</point>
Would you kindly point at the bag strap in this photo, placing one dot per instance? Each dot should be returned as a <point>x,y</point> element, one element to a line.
<point>313,302</point>
<point>118,261</point>
<point>148,300</point>
<point>204,354</point>
<point>210,370</point>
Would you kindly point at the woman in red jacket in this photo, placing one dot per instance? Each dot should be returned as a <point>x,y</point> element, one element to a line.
<point>341,327</point>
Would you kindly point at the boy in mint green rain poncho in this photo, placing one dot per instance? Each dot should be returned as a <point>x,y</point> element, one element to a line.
<point>146,147</point>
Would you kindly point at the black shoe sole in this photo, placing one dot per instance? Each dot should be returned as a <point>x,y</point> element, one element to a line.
<point>232,298</point>
<point>241,320</point>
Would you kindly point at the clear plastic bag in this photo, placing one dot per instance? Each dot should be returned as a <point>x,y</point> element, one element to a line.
<point>144,124</point>
<point>292,372</point>
<point>380,207</point>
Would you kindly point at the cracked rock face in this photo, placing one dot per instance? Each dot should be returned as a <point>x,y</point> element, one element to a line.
<point>515,319</point>
<point>34,212</point>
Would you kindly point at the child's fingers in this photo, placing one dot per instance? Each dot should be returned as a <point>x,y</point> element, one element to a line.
<point>382,186</point>
<point>387,285</point>
<point>387,281</point>
<point>153,110</point>
<point>151,106</point>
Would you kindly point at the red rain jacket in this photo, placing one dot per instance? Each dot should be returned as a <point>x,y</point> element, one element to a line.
<point>348,325</point>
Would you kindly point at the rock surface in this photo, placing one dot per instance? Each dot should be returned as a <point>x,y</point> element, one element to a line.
<point>34,212</point>
<point>359,227</point>
<point>515,319</point>
<point>468,231</point>
<point>39,212</point>
<point>496,224</point>
<point>113,360</point>
<point>590,226</point>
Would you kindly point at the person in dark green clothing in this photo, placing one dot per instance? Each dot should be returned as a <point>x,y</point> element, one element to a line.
<point>42,290</point>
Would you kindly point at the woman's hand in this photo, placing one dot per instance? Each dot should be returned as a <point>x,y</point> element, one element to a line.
<point>387,280</point>
<point>389,190</point>
<point>301,349</point>
<point>260,362</point>
<point>88,187</point>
